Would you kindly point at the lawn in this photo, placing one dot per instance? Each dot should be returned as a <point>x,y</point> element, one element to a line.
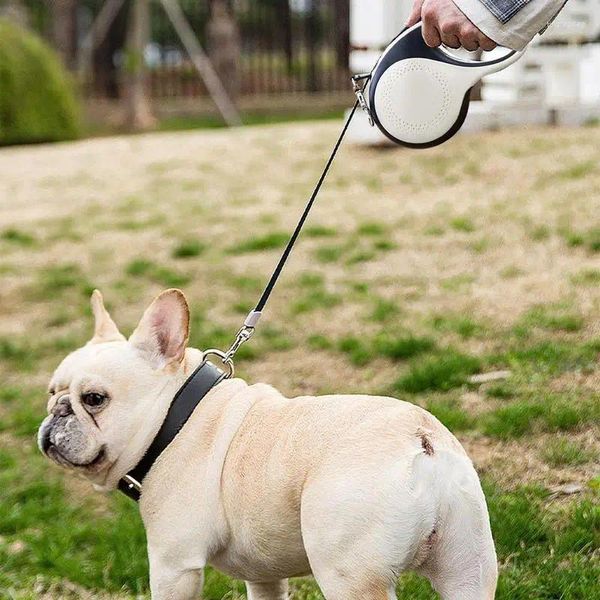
<point>464,278</point>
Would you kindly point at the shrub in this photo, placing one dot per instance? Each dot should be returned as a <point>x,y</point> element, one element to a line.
<point>37,103</point>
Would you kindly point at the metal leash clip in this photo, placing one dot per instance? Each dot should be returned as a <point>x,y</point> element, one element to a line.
<point>243,335</point>
<point>359,91</point>
<point>225,359</point>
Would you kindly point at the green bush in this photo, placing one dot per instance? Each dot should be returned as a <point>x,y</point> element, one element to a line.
<point>37,103</point>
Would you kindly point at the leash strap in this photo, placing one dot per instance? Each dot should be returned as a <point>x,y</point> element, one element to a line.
<point>245,333</point>
<point>290,245</point>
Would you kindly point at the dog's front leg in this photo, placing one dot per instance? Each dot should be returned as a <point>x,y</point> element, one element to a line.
<point>275,590</point>
<point>167,583</point>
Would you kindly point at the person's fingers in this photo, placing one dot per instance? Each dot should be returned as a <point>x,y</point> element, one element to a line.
<point>431,35</point>
<point>451,41</point>
<point>485,43</point>
<point>469,37</point>
<point>415,15</point>
<point>450,30</point>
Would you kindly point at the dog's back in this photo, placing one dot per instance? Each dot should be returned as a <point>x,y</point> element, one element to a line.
<point>355,485</point>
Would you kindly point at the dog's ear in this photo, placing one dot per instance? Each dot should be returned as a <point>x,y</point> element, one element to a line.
<point>105,329</point>
<point>163,331</point>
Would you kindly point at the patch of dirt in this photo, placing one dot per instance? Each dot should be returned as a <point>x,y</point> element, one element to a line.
<point>519,462</point>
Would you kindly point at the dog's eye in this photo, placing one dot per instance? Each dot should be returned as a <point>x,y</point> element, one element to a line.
<point>93,399</point>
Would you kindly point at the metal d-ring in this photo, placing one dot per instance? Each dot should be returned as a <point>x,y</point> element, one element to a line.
<point>225,360</point>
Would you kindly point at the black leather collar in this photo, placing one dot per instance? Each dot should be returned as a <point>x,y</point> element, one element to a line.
<point>199,383</point>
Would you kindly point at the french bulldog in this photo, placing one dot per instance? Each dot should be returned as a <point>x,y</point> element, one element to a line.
<point>353,489</point>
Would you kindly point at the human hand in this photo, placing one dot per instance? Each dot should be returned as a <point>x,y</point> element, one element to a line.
<point>444,23</point>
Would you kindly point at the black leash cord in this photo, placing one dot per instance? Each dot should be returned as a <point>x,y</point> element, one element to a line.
<point>245,333</point>
<point>290,245</point>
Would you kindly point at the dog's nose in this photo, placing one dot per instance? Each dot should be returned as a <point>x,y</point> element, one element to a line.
<point>63,407</point>
<point>44,439</point>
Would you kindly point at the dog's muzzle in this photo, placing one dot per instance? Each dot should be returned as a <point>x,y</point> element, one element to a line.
<point>62,439</point>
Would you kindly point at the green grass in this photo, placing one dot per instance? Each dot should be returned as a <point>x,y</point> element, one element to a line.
<point>457,283</point>
<point>329,254</point>
<point>319,342</point>
<point>402,347</point>
<point>466,327</point>
<point>372,228</point>
<point>148,269</point>
<point>320,231</point>
<point>58,279</point>
<point>357,350</point>
<point>248,118</point>
<point>500,391</point>
<point>543,414</point>
<point>439,372</point>
<point>551,318</point>
<point>577,170</point>
<point>543,552</point>
<point>560,452</point>
<point>463,224</point>
<point>313,295</point>
<point>589,277</point>
<point>538,360</point>
<point>17,237</point>
<point>589,239</point>
<point>362,350</point>
<point>540,233</point>
<point>450,413</point>
<point>270,241</point>
<point>384,310</point>
<point>188,249</point>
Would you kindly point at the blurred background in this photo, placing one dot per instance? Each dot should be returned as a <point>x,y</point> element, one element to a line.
<point>464,278</point>
<point>269,54</point>
<point>143,64</point>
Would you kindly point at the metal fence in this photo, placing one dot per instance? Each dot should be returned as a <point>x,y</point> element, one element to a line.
<point>275,46</point>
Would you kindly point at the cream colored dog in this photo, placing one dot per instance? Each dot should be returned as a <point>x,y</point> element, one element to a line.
<point>353,489</point>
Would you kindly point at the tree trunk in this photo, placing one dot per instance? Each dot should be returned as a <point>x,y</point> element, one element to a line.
<point>284,18</point>
<point>105,72</point>
<point>224,46</point>
<point>311,29</point>
<point>342,33</point>
<point>64,29</point>
<point>15,11</point>
<point>138,114</point>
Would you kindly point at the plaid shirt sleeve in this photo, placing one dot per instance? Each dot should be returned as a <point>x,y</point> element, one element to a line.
<point>504,10</point>
<point>511,23</point>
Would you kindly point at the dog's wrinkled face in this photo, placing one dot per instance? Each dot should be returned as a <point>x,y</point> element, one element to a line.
<point>104,396</point>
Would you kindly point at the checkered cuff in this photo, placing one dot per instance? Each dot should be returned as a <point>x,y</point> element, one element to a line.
<point>504,10</point>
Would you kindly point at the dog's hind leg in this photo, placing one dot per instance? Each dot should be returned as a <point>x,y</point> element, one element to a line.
<point>337,586</point>
<point>461,562</point>
<point>276,590</point>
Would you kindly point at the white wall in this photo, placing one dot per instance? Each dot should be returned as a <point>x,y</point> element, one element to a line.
<point>373,24</point>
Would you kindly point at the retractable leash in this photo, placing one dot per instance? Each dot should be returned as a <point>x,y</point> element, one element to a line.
<point>419,98</point>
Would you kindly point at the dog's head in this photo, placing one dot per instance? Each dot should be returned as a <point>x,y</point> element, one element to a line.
<point>108,398</point>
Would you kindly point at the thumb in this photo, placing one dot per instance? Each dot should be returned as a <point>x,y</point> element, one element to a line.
<point>415,15</point>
